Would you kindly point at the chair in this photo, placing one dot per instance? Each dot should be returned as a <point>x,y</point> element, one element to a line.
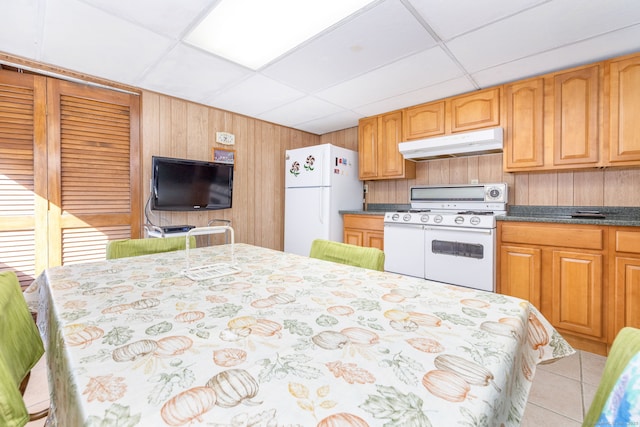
<point>216,269</point>
<point>21,349</point>
<point>344,253</point>
<point>624,348</point>
<point>135,247</point>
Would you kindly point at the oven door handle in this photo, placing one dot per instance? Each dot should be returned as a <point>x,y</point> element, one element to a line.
<point>401,225</point>
<point>462,229</point>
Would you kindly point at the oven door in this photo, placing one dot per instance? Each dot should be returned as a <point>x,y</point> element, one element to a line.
<point>404,249</point>
<point>461,256</point>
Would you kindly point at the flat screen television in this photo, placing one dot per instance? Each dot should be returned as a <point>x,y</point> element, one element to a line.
<point>190,185</point>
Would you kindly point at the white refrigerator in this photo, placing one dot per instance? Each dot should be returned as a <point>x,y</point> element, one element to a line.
<point>320,181</point>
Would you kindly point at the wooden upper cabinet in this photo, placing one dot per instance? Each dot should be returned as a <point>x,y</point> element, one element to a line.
<point>624,111</point>
<point>576,118</point>
<point>475,111</point>
<point>378,155</point>
<point>423,121</point>
<point>584,117</point>
<point>554,121</point>
<point>391,163</point>
<point>524,127</point>
<point>367,148</point>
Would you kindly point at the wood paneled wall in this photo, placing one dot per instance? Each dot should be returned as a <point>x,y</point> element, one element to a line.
<point>176,128</point>
<point>347,138</point>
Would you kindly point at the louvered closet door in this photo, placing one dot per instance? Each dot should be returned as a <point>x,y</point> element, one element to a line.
<point>94,176</point>
<point>23,168</point>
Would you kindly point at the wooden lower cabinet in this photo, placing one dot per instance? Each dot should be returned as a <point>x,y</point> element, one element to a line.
<point>521,272</point>
<point>627,292</point>
<point>576,294</point>
<point>561,269</point>
<point>625,276</point>
<point>364,230</point>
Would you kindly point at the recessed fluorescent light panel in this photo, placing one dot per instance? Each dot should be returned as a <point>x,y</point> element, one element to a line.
<point>255,32</point>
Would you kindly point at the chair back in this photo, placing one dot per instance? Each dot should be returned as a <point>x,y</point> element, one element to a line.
<point>625,347</point>
<point>135,247</point>
<point>344,253</point>
<point>21,348</point>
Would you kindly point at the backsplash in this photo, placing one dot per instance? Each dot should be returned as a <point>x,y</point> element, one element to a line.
<point>594,187</point>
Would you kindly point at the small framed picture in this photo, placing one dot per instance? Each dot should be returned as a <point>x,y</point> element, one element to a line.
<point>222,155</point>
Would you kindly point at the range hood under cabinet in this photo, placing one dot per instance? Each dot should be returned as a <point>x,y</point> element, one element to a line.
<point>483,141</point>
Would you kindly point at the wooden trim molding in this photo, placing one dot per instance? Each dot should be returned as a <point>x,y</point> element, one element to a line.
<point>64,74</point>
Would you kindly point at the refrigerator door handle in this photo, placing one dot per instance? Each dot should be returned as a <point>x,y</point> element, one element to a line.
<point>324,164</point>
<point>321,216</point>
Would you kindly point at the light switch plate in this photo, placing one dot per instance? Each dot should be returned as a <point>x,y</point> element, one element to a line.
<point>225,138</point>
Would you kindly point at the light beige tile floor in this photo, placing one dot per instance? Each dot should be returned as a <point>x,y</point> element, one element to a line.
<point>562,391</point>
<point>560,396</point>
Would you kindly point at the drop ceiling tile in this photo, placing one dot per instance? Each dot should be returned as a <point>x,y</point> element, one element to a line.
<point>409,74</point>
<point>192,74</point>
<point>300,111</point>
<point>19,29</point>
<point>373,39</point>
<point>612,44</point>
<point>254,96</point>
<point>334,122</point>
<point>449,19</point>
<point>85,39</point>
<point>548,26</point>
<point>170,18</point>
<point>324,85</point>
<point>420,96</point>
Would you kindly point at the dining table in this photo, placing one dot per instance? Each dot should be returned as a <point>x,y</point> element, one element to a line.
<point>284,340</point>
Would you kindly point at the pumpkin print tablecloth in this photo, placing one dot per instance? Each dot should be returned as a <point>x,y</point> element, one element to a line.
<point>288,341</point>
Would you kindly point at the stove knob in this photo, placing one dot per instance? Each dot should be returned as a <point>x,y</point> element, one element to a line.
<point>474,220</point>
<point>406,217</point>
<point>395,216</point>
<point>459,220</point>
<point>437,219</point>
<point>424,218</point>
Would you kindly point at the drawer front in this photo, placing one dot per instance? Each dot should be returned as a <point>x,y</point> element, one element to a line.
<point>628,241</point>
<point>364,222</point>
<point>562,236</point>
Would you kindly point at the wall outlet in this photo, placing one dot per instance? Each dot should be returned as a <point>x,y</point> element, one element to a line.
<point>225,138</point>
<point>474,181</point>
<point>365,188</point>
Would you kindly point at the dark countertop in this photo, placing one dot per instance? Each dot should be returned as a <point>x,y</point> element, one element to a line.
<point>611,215</point>
<point>367,212</point>
<point>377,209</point>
